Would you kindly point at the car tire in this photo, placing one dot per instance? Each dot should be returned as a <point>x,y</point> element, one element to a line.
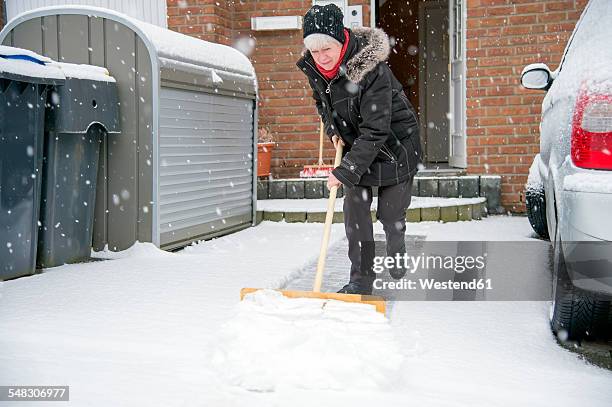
<point>535,201</point>
<point>576,314</point>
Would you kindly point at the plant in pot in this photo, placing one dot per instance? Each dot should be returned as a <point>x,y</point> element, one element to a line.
<point>265,145</point>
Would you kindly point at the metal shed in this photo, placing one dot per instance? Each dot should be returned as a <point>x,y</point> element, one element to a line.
<point>184,166</point>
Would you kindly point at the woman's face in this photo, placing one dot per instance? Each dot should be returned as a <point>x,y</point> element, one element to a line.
<point>328,56</point>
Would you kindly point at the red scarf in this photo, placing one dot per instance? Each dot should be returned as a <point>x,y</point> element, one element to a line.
<point>331,73</point>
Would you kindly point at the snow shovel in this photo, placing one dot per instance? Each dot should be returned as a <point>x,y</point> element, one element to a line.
<point>377,302</point>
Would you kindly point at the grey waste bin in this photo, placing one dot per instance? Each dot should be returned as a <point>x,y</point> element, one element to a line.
<point>24,81</point>
<point>81,112</point>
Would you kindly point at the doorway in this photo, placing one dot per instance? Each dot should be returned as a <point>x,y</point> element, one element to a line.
<point>427,58</point>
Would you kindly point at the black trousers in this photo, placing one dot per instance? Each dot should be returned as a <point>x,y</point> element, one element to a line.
<point>393,201</point>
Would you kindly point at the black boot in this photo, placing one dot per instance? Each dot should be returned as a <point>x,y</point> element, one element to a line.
<point>355,288</point>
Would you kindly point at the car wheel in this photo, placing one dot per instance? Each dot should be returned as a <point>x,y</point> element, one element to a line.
<point>575,314</point>
<point>535,201</point>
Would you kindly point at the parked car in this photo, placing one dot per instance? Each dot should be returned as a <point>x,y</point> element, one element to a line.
<point>569,189</point>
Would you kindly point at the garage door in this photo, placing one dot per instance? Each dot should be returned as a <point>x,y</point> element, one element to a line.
<point>206,164</point>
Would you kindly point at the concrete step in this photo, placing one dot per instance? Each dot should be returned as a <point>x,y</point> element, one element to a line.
<point>422,209</point>
<point>463,186</point>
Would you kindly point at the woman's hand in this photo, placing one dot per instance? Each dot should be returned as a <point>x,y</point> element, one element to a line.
<point>332,181</point>
<point>336,140</point>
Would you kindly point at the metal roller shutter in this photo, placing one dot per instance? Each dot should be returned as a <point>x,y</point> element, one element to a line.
<point>205,170</point>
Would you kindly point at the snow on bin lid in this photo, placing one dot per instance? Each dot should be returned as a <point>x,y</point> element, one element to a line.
<point>23,62</point>
<point>90,72</point>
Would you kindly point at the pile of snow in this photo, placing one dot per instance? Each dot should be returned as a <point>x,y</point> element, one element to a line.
<point>275,342</point>
<point>534,180</point>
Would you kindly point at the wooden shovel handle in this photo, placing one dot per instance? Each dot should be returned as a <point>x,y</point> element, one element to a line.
<point>331,203</point>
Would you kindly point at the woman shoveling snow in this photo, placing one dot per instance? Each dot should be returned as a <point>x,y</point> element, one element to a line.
<point>365,110</point>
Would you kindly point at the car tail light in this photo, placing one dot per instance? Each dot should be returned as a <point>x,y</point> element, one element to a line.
<point>591,145</point>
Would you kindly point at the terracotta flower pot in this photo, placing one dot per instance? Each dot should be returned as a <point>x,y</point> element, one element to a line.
<point>264,158</point>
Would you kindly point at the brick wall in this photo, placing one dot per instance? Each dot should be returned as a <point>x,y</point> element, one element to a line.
<point>503,118</point>
<point>209,20</point>
<point>285,106</point>
<point>502,37</point>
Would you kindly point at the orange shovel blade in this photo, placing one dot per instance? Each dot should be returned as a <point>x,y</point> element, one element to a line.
<point>377,302</point>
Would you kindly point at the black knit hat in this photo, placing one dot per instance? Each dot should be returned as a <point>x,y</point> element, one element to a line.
<point>325,20</point>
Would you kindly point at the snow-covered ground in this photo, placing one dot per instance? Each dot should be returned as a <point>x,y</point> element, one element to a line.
<point>320,205</point>
<point>166,329</point>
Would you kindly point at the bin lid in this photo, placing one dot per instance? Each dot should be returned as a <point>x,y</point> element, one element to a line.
<point>27,66</point>
<point>88,72</point>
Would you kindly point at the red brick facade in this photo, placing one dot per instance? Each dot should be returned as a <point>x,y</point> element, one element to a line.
<point>502,37</point>
<point>503,118</point>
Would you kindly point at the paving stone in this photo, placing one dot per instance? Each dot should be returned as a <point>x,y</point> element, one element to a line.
<point>428,187</point>
<point>273,216</point>
<point>430,214</point>
<point>448,214</point>
<point>468,186</point>
<point>413,215</point>
<point>415,187</point>
<point>338,217</point>
<point>295,189</point>
<point>464,212</point>
<point>292,217</point>
<point>277,189</point>
<point>313,189</point>
<point>339,194</point>
<point>448,187</point>
<point>262,189</point>
<point>483,210</point>
<point>476,211</point>
<point>315,217</point>
<point>490,187</point>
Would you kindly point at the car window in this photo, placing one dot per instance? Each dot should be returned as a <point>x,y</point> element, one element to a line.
<point>572,43</point>
<point>595,22</point>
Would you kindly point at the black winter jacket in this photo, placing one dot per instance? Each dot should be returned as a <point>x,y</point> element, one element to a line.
<point>366,107</point>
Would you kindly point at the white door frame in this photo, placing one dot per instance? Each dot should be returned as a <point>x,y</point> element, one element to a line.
<point>457,156</point>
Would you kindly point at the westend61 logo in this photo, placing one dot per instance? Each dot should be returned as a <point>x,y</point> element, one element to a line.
<point>448,270</point>
<point>400,264</point>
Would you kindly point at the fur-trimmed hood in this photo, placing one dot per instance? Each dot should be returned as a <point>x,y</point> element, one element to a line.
<point>372,47</point>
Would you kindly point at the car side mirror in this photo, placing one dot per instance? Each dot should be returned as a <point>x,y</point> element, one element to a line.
<point>537,76</point>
